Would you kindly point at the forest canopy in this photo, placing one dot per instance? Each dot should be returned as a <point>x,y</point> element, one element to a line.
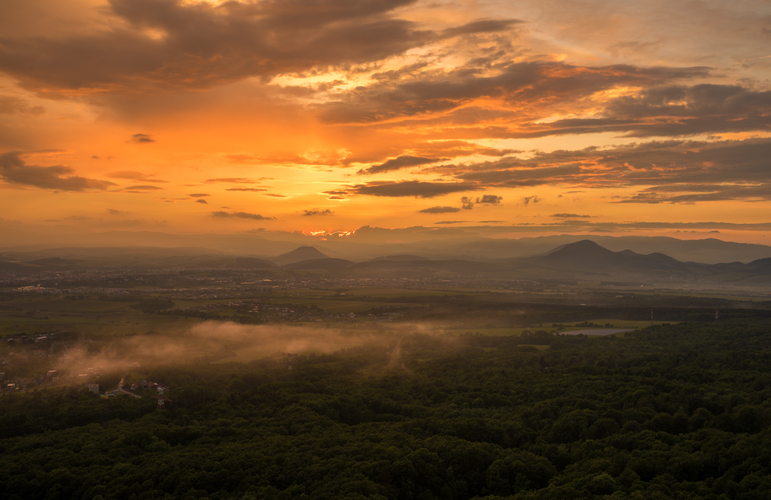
<point>669,411</point>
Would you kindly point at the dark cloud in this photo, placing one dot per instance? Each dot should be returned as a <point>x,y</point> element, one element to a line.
<point>198,195</point>
<point>487,199</point>
<point>141,139</point>
<point>669,111</point>
<point>417,189</point>
<point>253,190</point>
<point>112,211</point>
<point>668,171</point>
<point>570,216</point>
<point>15,171</point>
<point>398,164</point>
<point>240,215</point>
<point>134,176</point>
<point>317,211</point>
<point>513,172</point>
<point>525,85</point>
<point>202,201</point>
<point>439,210</point>
<point>490,199</point>
<point>450,222</point>
<point>715,193</point>
<point>200,45</point>
<point>706,108</point>
<point>531,199</point>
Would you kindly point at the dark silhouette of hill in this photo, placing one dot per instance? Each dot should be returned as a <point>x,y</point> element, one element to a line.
<point>298,255</point>
<point>588,256</point>
<point>760,266</point>
<point>708,251</point>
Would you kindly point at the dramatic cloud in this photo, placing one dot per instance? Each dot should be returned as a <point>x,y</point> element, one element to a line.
<point>439,210</point>
<point>172,44</point>
<point>524,86</point>
<point>669,111</point>
<point>716,170</point>
<point>398,164</point>
<point>392,109</point>
<point>15,171</point>
<point>239,215</point>
<point>317,211</point>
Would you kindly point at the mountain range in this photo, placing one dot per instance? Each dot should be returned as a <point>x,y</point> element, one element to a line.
<point>583,260</point>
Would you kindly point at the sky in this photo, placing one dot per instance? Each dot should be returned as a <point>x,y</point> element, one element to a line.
<point>496,118</point>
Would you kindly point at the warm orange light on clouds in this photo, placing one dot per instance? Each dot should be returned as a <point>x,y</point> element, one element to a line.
<point>504,118</point>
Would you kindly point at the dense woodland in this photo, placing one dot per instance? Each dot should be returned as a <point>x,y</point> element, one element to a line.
<point>677,411</point>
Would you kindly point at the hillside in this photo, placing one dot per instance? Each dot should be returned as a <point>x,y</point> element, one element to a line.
<point>298,255</point>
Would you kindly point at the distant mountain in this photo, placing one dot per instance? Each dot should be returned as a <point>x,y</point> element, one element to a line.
<point>760,266</point>
<point>588,256</point>
<point>298,255</point>
<point>708,251</point>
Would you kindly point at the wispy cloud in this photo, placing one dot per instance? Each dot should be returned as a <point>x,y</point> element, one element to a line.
<point>439,210</point>
<point>239,215</point>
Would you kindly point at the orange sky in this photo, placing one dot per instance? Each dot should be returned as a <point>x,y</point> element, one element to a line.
<point>512,118</point>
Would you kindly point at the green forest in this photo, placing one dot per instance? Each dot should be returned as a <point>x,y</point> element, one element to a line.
<point>673,411</point>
